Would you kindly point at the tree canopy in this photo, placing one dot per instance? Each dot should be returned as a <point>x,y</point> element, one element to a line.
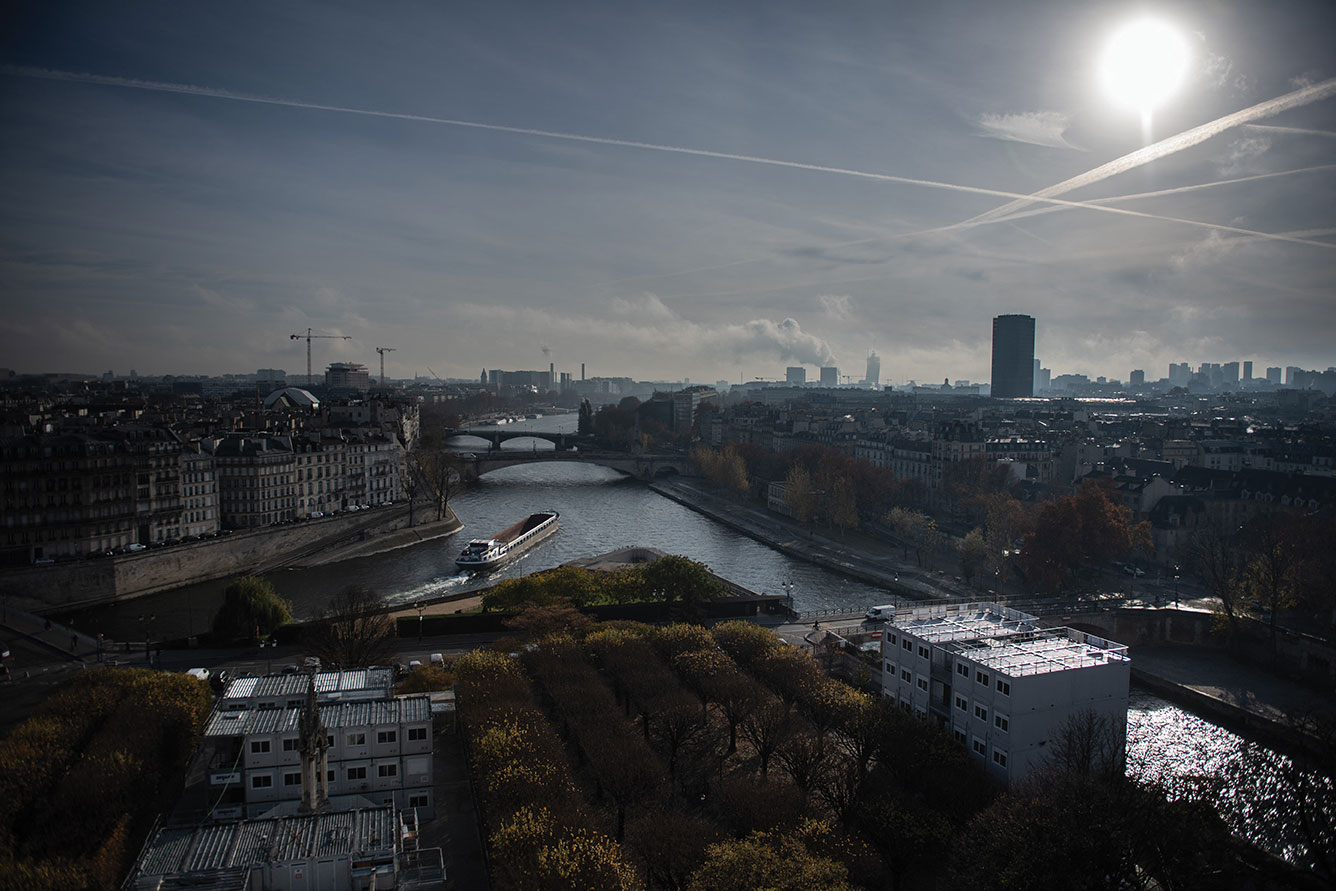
<point>251,608</point>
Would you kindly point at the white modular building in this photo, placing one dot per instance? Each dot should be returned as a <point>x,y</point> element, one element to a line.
<point>1003,685</point>
<point>376,753</point>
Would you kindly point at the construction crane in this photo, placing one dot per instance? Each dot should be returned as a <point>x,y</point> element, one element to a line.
<point>308,335</point>
<point>383,351</point>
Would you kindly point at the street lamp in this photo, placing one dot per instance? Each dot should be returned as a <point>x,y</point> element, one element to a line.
<point>419,609</point>
<point>788,592</point>
<point>1175,586</point>
<point>146,622</point>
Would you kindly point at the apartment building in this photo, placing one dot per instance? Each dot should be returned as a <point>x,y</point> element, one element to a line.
<point>256,479</point>
<point>199,492</point>
<point>1003,685</point>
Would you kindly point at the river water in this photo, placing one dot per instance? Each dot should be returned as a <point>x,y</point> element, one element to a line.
<point>600,511</point>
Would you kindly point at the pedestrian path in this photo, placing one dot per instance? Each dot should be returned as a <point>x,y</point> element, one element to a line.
<point>68,642</point>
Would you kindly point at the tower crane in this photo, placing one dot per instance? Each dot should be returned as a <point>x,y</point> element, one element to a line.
<point>383,351</point>
<point>308,335</point>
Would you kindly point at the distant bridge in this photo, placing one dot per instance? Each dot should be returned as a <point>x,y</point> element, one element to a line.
<point>643,466</point>
<point>496,436</point>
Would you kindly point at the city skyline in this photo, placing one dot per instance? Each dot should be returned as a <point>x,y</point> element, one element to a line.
<point>672,192</point>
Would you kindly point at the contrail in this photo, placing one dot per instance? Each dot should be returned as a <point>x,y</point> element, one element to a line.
<point>1177,190</point>
<point>1173,144</point>
<point>1299,131</point>
<point>1090,204</point>
<point>1165,147</point>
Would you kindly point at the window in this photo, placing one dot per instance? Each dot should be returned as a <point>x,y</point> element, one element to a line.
<point>982,677</point>
<point>294,703</point>
<point>292,779</point>
<point>418,800</point>
<point>1003,687</point>
<point>1000,758</point>
<point>329,740</point>
<point>894,640</point>
<point>261,781</point>
<point>356,773</point>
<point>962,704</point>
<point>923,652</point>
<point>417,733</point>
<point>387,736</point>
<point>1000,722</point>
<point>962,668</point>
<point>259,746</point>
<point>356,739</point>
<point>959,735</point>
<point>290,744</point>
<point>981,713</point>
<point>979,747</point>
<point>906,676</point>
<point>923,684</point>
<point>908,644</point>
<point>387,770</point>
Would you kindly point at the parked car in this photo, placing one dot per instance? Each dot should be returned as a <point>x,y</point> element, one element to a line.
<point>880,613</point>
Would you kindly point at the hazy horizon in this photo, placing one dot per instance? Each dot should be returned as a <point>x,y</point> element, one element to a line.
<point>663,191</point>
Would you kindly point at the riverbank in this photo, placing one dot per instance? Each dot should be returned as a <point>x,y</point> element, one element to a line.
<point>852,554</point>
<point>381,542</point>
<point>1202,678</point>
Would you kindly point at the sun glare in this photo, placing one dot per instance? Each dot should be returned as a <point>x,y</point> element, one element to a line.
<point>1143,64</point>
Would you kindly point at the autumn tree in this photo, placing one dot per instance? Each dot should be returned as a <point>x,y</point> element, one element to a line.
<point>775,861</point>
<point>799,496</point>
<point>1090,525</point>
<point>973,553</point>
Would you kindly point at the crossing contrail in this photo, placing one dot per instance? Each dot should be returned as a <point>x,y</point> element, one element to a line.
<point>1046,196</point>
<point>1297,131</point>
<point>1166,147</point>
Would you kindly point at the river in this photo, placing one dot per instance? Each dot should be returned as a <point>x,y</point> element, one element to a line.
<point>600,511</point>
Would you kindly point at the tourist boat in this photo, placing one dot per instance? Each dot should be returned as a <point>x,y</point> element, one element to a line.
<point>488,553</point>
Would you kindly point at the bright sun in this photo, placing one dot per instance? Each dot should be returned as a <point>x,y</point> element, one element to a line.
<point>1143,64</point>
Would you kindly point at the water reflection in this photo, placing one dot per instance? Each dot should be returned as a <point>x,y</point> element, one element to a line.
<point>1259,792</point>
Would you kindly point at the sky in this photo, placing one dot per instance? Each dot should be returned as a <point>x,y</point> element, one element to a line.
<point>660,190</point>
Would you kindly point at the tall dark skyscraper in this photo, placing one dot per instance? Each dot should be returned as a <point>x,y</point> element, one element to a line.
<point>1013,356</point>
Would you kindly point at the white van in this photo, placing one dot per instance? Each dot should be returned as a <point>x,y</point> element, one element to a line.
<point>880,613</point>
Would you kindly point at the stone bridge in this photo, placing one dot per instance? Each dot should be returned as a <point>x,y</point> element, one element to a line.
<point>497,436</point>
<point>643,466</point>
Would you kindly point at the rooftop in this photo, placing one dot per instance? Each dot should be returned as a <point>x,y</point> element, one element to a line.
<point>942,623</point>
<point>241,722</point>
<point>328,684</point>
<point>1039,652</point>
<point>230,848</point>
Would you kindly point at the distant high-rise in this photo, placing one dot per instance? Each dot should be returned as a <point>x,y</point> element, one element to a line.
<point>1013,356</point>
<point>873,378</point>
<point>1247,371</point>
<point>795,374</point>
<point>1138,379</point>
<point>830,376</point>
<point>1273,374</point>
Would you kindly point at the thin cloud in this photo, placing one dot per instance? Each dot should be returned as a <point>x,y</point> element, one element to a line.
<point>837,306</point>
<point>1044,128</point>
<point>1047,196</point>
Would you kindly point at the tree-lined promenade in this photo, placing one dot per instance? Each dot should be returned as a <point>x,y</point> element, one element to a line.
<point>618,755</point>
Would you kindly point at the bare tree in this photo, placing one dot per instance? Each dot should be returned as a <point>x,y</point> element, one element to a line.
<point>1089,744</point>
<point>355,630</point>
<point>1215,559</point>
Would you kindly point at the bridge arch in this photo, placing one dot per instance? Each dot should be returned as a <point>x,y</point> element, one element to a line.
<point>644,467</point>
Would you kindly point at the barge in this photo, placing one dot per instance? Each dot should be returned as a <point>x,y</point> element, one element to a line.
<point>489,553</point>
